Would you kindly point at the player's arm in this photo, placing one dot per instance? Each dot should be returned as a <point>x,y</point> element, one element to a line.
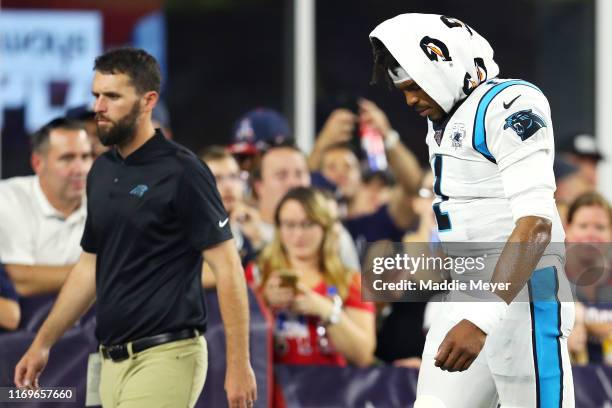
<point>522,144</point>
<point>225,264</point>
<point>76,296</point>
<point>32,280</point>
<point>521,254</point>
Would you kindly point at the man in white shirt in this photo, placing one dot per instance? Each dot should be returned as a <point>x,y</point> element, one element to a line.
<point>42,216</point>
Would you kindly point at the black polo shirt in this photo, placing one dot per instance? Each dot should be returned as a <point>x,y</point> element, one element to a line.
<point>149,216</point>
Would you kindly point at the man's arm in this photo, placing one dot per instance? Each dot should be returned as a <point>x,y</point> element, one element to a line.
<point>402,162</point>
<point>76,296</point>
<point>10,314</point>
<point>32,280</point>
<point>338,128</point>
<point>224,262</point>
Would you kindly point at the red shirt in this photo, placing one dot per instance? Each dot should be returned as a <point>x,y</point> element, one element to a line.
<point>300,339</point>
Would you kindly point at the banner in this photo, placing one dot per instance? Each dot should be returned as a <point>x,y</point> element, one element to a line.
<point>46,61</point>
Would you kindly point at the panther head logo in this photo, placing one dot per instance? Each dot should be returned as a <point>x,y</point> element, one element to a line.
<point>452,22</point>
<point>525,123</point>
<point>481,69</point>
<point>435,49</point>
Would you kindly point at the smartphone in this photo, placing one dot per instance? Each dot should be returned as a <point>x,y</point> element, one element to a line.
<point>288,279</point>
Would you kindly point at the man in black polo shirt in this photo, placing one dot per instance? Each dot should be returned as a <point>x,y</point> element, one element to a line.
<point>153,214</point>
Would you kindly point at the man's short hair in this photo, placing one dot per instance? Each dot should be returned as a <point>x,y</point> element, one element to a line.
<point>215,153</point>
<point>40,138</point>
<point>140,66</point>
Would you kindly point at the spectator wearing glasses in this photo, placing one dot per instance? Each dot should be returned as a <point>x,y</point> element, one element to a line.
<point>283,167</point>
<point>316,300</point>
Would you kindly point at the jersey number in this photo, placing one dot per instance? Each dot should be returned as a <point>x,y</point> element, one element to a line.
<point>442,218</point>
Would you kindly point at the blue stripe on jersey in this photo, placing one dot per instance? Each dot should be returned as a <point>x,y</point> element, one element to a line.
<point>479,139</point>
<point>546,331</point>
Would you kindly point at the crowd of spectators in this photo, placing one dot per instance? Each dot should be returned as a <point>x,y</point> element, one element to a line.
<point>302,222</point>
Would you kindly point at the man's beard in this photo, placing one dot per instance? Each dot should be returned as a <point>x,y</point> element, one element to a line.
<point>121,132</point>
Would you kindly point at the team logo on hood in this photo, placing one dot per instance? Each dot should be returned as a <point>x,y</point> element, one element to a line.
<point>435,49</point>
<point>453,22</point>
<point>525,123</point>
<point>468,84</point>
<point>481,69</point>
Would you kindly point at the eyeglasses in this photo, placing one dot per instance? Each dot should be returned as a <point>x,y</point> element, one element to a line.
<point>292,225</point>
<point>235,177</point>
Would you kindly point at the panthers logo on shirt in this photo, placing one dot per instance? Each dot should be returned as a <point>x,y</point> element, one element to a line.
<point>525,123</point>
<point>435,49</point>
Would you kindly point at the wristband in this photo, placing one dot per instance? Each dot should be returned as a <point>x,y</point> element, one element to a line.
<point>486,314</point>
<point>334,316</point>
<point>392,138</point>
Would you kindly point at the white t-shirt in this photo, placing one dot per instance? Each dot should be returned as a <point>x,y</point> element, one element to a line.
<point>32,232</point>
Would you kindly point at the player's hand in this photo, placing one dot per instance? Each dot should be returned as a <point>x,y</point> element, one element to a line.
<point>372,115</point>
<point>240,385</point>
<point>460,347</point>
<point>30,367</point>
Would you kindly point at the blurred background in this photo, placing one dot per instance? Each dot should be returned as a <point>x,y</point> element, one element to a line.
<point>223,57</point>
<point>311,62</point>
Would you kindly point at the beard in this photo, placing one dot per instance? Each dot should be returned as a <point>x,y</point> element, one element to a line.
<point>122,131</point>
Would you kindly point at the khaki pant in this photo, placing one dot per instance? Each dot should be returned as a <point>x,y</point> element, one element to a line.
<point>171,375</point>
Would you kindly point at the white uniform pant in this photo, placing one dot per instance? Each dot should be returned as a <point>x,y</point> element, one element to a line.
<point>524,362</point>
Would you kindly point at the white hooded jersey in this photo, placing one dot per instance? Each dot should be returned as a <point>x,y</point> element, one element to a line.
<point>496,146</point>
<point>492,157</point>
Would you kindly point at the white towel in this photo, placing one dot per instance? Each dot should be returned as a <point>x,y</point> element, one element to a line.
<point>444,56</point>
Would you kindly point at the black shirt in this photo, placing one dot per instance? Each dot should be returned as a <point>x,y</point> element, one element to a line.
<point>148,219</point>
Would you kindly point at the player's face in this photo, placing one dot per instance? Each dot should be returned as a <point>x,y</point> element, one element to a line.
<point>590,224</point>
<point>301,237</point>
<point>117,108</point>
<point>229,183</point>
<point>63,168</point>
<point>420,101</point>
<point>341,167</point>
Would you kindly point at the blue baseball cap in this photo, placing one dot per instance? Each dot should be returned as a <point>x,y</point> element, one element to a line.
<point>257,130</point>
